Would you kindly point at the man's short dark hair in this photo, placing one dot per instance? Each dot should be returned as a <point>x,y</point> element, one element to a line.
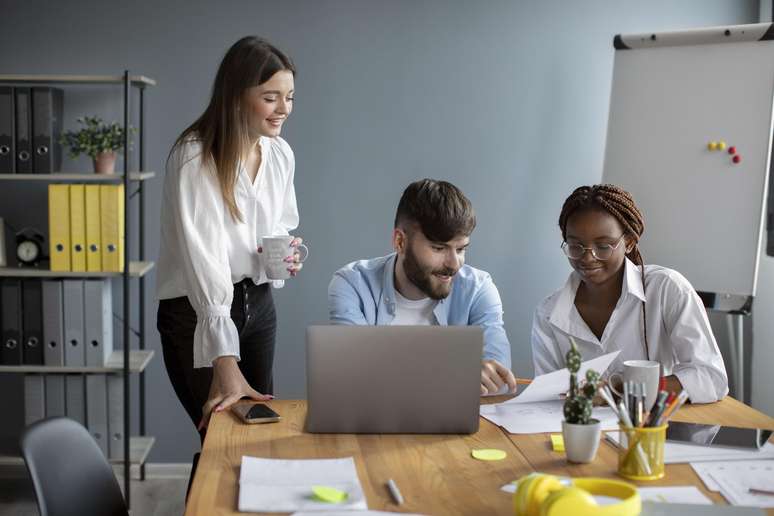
<point>439,208</point>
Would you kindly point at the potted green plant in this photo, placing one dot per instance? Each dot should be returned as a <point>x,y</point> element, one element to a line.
<point>98,140</point>
<point>581,432</point>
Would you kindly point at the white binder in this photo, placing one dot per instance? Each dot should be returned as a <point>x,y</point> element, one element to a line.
<point>98,317</point>
<point>74,353</point>
<point>55,395</point>
<point>34,398</point>
<point>115,401</point>
<point>96,409</point>
<point>75,404</point>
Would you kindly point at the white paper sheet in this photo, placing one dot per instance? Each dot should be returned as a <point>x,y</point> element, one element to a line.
<point>734,478</point>
<point>676,453</point>
<point>539,417</point>
<point>276,485</point>
<point>550,386</point>
<point>674,494</point>
<point>351,513</point>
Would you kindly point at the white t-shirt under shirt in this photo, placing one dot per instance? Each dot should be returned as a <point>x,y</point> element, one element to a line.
<point>414,313</point>
<point>204,251</point>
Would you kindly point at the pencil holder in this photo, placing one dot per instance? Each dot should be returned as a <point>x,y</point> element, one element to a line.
<point>641,453</point>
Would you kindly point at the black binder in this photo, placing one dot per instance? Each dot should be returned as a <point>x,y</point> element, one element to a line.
<point>32,321</point>
<point>7,123</point>
<point>11,321</point>
<point>23,131</point>
<point>46,129</point>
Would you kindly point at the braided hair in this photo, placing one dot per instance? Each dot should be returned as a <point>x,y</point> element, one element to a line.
<point>620,204</point>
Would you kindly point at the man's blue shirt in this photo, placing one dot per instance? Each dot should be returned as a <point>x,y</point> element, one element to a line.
<point>363,293</point>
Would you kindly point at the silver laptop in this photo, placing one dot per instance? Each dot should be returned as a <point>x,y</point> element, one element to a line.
<point>393,379</point>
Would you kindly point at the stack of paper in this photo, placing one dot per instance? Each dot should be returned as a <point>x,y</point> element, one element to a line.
<point>734,479</point>
<point>539,407</point>
<point>275,485</point>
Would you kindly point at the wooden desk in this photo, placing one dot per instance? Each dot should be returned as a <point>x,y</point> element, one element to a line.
<point>435,473</point>
<point>536,448</point>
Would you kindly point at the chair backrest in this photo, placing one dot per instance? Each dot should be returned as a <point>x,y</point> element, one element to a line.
<point>69,472</point>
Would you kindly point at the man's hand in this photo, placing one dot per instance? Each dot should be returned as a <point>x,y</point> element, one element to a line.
<point>494,375</point>
<point>228,386</point>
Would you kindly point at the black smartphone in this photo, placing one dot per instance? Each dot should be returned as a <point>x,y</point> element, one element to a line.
<point>255,413</point>
<point>717,435</point>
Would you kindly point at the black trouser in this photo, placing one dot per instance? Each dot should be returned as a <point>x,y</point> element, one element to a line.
<point>253,313</point>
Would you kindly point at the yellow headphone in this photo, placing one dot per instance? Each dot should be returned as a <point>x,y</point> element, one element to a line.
<point>539,494</point>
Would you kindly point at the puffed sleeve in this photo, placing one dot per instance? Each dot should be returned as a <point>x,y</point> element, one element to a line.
<point>698,363</point>
<point>196,204</point>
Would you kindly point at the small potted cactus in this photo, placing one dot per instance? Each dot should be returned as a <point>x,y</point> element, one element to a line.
<point>581,432</point>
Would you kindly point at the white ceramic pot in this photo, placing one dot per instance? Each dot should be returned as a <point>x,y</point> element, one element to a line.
<point>581,441</point>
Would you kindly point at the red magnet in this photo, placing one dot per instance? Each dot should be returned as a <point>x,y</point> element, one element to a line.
<point>737,158</point>
<point>732,150</point>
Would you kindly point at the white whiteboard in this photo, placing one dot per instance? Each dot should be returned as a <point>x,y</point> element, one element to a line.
<point>670,97</point>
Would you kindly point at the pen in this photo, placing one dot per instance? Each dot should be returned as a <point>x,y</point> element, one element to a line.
<point>676,404</point>
<point>392,487</point>
<point>641,457</point>
<point>760,491</point>
<point>523,381</point>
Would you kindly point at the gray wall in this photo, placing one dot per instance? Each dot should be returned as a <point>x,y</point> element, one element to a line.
<point>508,100</point>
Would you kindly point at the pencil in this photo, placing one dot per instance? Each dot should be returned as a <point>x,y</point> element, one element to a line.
<point>523,381</point>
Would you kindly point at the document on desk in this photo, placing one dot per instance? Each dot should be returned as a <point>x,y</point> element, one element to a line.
<point>551,386</point>
<point>734,479</point>
<point>278,485</point>
<point>540,416</point>
<point>539,407</point>
<point>351,513</point>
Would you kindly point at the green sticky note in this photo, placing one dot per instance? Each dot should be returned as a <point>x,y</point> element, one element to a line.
<point>329,494</point>
<point>489,454</point>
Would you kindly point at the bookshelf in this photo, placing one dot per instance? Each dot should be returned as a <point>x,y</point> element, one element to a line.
<point>126,361</point>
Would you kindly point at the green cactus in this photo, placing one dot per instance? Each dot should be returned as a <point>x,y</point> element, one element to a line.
<point>577,407</point>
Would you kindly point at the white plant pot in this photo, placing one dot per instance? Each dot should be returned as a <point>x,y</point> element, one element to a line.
<point>581,441</point>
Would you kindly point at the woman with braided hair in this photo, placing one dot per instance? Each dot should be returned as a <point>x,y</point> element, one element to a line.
<point>612,301</point>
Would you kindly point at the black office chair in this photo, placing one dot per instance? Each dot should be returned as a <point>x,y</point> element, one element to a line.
<point>69,472</point>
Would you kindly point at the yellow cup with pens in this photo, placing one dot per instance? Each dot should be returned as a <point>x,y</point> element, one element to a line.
<point>641,452</point>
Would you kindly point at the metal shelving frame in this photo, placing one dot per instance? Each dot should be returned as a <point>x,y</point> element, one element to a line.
<point>131,270</point>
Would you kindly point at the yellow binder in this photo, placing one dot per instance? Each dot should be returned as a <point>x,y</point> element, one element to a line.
<point>77,228</point>
<point>112,207</point>
<point>93,229</point>
<point>59,226</point>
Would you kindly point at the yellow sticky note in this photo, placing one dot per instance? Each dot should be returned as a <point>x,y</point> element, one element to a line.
<point>489,454</point>
<point>557,441</point>
<point>329,494</point>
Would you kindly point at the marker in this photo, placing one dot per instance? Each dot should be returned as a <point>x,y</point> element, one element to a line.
<point>392,487</point>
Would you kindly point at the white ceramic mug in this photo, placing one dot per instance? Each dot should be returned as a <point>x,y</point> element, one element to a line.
<point>641,371</point>
<point>276,249</point>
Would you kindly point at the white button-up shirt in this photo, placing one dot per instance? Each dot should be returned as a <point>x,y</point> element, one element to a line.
<point>204,251</point>
<point>679,333</point>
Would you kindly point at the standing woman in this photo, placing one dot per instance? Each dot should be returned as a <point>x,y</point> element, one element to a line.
<point>229,181</point>
<point>613,301</point>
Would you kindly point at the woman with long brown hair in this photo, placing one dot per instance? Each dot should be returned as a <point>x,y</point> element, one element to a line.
<point>229,182</point>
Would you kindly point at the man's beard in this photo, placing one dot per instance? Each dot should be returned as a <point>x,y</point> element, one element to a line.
<point>422,277</point>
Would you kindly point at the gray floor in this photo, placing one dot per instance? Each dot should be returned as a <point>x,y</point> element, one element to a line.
<point>151,497</point>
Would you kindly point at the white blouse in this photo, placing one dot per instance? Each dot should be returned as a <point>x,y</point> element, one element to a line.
<point>204,251</point>
<point>679,333</point>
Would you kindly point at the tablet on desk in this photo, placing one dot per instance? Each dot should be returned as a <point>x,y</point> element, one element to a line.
<point>717,435</point>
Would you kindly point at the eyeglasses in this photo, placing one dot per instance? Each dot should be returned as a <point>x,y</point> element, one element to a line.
<point>598,251</point>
